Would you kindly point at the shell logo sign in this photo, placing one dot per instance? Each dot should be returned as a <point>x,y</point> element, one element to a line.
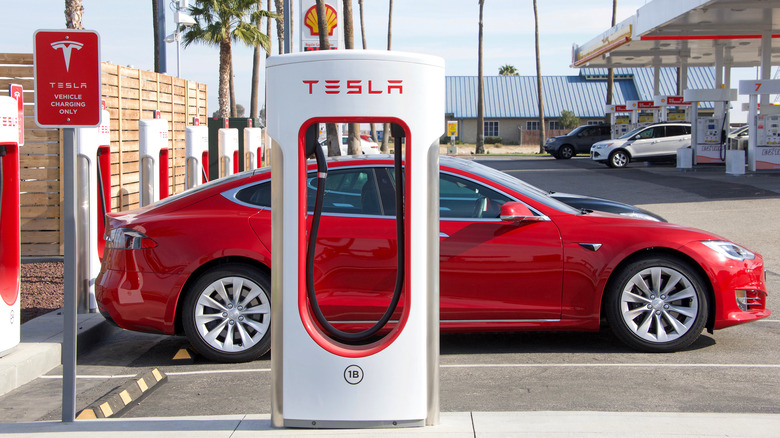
<point>310,32</point>
<point>331,20</point>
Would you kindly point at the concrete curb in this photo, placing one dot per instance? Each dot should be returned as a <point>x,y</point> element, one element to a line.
<point>40,349</point>
<point>115,402</point>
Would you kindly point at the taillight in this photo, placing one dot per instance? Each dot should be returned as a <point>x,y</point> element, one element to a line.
<point>126,238</point>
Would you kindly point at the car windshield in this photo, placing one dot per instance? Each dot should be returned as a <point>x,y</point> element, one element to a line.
<point>630,133</point>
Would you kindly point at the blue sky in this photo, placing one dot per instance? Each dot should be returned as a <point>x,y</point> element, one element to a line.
<point>444,28</point>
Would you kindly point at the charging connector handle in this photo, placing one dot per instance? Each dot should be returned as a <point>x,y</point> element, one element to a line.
<point>340,335</point>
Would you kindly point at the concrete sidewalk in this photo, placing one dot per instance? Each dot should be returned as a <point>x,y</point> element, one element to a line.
<point>452,424</point>
<point>40,348</point>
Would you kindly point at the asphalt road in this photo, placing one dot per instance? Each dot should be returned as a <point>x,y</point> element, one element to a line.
<point>734,370</point>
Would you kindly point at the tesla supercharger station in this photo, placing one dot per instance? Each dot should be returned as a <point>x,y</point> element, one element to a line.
<point>93,197</point>
<point>10,225</point>
<point>153,158</point>
<point>228,151</point>
<point>708,134</point>
<point>196,155</point>
<point>253,147</point>
<point>319,380</point>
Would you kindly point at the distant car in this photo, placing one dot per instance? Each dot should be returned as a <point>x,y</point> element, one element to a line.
<point>367,146</point>
<point>738,138</point>
<point>578,141</point>
<point>657,142</point>
<point>511,258</point>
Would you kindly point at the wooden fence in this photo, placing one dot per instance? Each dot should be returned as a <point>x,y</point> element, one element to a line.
<point>130,95</point>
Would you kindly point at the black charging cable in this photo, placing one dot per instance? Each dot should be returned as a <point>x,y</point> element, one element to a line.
<point>322,173</point>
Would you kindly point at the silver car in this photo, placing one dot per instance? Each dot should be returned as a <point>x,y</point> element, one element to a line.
<point>657,142</point>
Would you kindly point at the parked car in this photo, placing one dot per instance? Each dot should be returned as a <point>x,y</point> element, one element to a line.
<point>512,258</point>
<point>656,142</point>
<point>367,145</point>
<point>578,141</point>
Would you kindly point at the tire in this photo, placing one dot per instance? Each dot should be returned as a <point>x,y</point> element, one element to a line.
<point>566,152</point>
<point>618,159</point>
<point>224,326</point>
<point>658,304</point>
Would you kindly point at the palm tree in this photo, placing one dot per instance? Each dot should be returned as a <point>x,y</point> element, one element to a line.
<point>385,148</point>
<point>73,12</point>
<point>480,149</point>
<point>257,19</point>
<point>353,129</point>
<point>331,133</point>
<point>507,70</point>
<point>610,70</point>
<point>219,23</point>
<point>539,81</point>
<point>280,24</point>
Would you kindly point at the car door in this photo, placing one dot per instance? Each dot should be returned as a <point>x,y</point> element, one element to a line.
<point>646,142</point>
<point>677,136</point>
<point>494,273</point>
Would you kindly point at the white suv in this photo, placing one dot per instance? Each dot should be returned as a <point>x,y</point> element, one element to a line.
<point>657,142</point>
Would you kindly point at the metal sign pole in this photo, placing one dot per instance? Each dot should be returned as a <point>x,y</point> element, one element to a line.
<point>70,284</point>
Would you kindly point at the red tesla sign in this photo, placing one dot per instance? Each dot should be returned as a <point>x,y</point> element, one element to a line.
<point>67,78</point>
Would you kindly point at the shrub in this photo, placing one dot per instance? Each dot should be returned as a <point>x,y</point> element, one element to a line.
<point>492,140</point>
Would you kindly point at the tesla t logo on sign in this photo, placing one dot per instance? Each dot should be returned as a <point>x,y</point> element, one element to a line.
<point>67,78</point>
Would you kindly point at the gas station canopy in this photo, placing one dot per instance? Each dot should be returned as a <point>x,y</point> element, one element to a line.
<point>671,33</point>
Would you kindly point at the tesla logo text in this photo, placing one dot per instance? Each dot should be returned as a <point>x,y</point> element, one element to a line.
<point>356,86</point>
<point>6,121</point>
<point>67,85</point>
<point>66,47</point>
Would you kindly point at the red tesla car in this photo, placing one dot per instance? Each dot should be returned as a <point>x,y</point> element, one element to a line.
<point>512,258</point>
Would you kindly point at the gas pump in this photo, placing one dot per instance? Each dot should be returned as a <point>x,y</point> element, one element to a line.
<point>228,151</point>
<point>93,201</point>
<point>620,124</point>
<point>643,112</point>
<point>679,114</point>
<point>196,154</point>
<point>709,134</point>
<point>764,129</point>
<point>153,158</point>
<point>253,145</point>
<point>324,375</point>
<point>11,127</point>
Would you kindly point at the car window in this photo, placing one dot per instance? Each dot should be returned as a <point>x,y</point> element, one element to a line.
<point>464,199</point>
<point>672,130</point>
<point>347,191</point>
<point>258,194</point>
<point>605,130</point>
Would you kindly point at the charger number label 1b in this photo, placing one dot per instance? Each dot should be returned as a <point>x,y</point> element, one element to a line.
<point>353,374</point>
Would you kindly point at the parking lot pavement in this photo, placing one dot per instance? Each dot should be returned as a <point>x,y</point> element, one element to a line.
<point>726,382</point>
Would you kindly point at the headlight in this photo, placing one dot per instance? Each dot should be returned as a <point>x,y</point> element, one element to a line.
<point>601,146</point>
<point>126,238</point>
<point>729,250</point>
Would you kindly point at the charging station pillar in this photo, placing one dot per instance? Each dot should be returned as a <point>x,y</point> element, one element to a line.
<point>10,224</point>
<point>93,170</point>
<point>253,148</point>
<point>153,160</point>
<point>318,381</point>
<point>228,151</point>
<point>196,153</point>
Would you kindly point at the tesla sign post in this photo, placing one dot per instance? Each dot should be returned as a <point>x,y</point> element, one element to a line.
<point>67,95</point>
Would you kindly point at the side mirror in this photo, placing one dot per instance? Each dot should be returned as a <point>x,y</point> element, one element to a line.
<point>518,212</point>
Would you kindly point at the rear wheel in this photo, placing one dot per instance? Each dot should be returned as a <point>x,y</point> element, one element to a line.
<point>227,314</point>
<point>657,304</point>
<point>618,159</point>
<point>566,152</point>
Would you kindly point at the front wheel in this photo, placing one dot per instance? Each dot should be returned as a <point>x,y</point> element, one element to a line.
<point>618,159</point>
<point>566,152</point>
<point>657,304</point>
<point>227,314</point>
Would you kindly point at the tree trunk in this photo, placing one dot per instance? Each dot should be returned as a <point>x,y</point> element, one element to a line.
<point>365,46</point>
<point>232,88</point>
<point>73,13</point>
<point>156,30</point>
<point>610,70</point>
<point>353,129</point>
<point>331,132</point>
<point>224,77</point>
<point>385,147</point>
<point>480,149</point>
<point>255,72</point>
<point>539,81</point>
<point>280,24</point>
<point>268,31</point>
